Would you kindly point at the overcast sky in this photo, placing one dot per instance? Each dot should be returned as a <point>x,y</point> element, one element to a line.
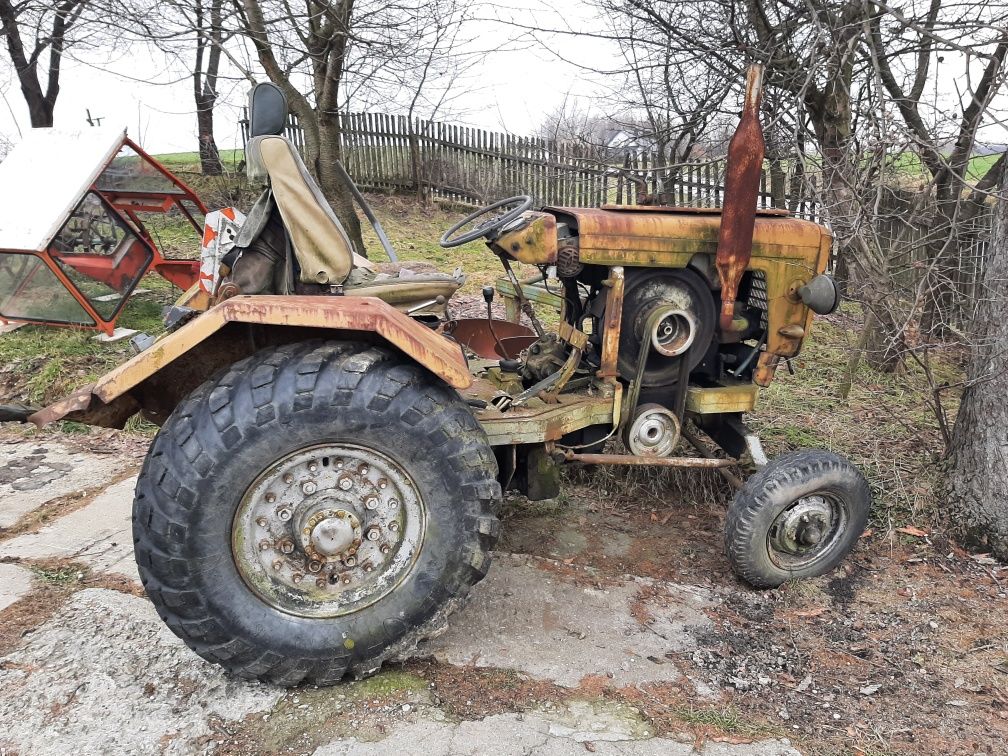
<point>149,94</point>
<point>140,89</point>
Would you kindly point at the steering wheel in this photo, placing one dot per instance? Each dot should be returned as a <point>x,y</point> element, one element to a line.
<point>521,202</point>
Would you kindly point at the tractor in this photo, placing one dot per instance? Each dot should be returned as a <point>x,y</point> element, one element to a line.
<point>324,487</point>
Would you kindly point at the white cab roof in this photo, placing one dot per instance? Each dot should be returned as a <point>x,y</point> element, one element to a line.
<point>44,177</point>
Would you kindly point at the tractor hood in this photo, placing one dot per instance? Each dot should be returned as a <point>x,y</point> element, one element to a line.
<point>640,235</point>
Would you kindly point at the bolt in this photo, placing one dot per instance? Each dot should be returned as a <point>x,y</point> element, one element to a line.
<point>374,533</point>
<point>314,566</point>
<point>368,567</point>
<point>286,546</point>
<point>288,478</point>
<point>346,483</point>
<point>261,522</point>
<point>393,503</point>
<point>264,545</point>
<point>385,548</point>
<point>298,577</point>
<point>393,526</point>
<point>350,561</point>
<point>363,469</point>
<point>346,580</point>
<point>277,564</point>
<point>312,467</point>
<point>309,487</point>
<point>320,582</point>
<point>371,503</point>
<point>270,498</point>
<point>382,483</point>
<point>284,514</point>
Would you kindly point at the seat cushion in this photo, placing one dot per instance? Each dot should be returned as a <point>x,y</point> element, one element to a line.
<point>407,289</point>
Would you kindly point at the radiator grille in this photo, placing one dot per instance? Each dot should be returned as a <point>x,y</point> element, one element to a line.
<point>758,295</point>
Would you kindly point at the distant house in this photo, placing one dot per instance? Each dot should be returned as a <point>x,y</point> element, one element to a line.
<point>623,142</point>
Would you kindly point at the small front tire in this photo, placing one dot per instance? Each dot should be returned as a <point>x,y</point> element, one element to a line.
<point>798,517</point>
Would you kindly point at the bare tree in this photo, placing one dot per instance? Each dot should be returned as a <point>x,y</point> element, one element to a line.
<point>38,34</point>
<point>975,488</point>
<point>209,37</point>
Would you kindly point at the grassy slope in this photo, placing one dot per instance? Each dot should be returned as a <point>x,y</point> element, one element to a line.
<point>884,425</point>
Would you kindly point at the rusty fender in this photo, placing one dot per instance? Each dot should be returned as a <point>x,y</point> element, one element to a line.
<point>135,385</point>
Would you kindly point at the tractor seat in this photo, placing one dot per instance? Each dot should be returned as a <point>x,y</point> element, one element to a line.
<point>320,245</point>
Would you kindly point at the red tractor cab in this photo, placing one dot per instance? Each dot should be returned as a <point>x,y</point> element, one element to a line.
<point>80,213</point>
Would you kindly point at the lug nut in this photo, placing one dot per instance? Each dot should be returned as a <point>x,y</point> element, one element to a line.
<point>374,533</point>
<point>286,546</point>
<point>309,487</point>
<point>346,483</point>
<point>350,561</point>
<point>284,514</point>
<point>314,566</point>
<point>371,503</point>
<point>393,503</point>
<point>264,545</point>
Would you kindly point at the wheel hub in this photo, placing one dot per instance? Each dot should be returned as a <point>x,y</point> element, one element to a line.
<point>802,527</point>
<point>330,533</point>
<point>328,530</point>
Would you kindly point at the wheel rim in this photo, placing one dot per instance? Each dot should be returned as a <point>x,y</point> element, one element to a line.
<point>328,530</point>
<point>807,531</point>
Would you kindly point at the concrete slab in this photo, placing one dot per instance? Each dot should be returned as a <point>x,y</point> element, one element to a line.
<point>128,687</point>
<point>99,534</point>
<point>33,474</point>
<point>535,620</point>
<point>15,582</point>
<point>571,730</point>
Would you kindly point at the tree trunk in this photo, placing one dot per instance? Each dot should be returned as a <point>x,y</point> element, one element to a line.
<point>975,489</point>
<point>330,181</point>
<point>210,161</point>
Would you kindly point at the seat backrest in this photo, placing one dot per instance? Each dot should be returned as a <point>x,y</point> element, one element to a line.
<point>320,242</point>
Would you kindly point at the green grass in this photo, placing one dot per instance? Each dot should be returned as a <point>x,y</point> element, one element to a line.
<point>191,160</point>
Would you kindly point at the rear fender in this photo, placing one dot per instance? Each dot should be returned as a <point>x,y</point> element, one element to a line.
<point>157,379</point>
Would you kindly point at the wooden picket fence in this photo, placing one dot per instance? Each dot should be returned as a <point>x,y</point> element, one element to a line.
<point>475,166</point>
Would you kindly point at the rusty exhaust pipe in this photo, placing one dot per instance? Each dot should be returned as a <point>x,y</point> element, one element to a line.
<point>738,215</point>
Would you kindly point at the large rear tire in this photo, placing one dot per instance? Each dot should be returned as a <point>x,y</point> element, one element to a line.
<point>318,509</point>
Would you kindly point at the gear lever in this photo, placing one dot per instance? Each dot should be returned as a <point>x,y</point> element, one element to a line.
<point>488,297</point>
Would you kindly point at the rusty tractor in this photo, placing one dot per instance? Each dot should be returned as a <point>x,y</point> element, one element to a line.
<point>324,487</point>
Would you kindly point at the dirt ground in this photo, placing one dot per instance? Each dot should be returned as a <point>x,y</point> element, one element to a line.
<point>610,623</point>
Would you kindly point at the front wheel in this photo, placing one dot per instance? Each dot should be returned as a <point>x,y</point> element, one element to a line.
<point>797,517</point>
<point>318,509</point>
